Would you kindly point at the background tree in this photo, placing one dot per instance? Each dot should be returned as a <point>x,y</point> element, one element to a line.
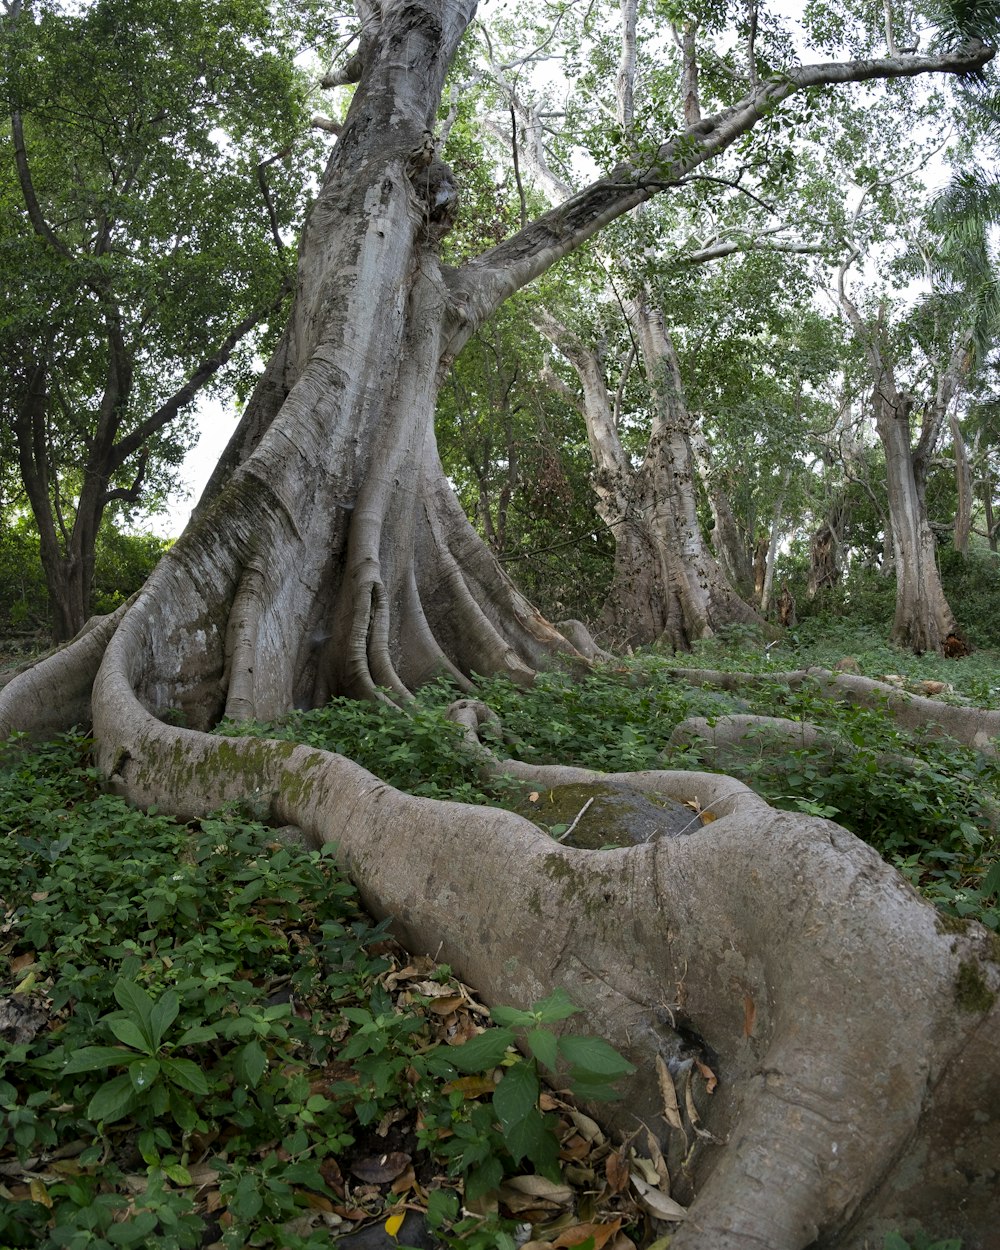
<point>143,223</point>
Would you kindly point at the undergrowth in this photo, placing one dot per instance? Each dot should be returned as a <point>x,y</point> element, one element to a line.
<point>930,806</point>
<point>211,1044</point>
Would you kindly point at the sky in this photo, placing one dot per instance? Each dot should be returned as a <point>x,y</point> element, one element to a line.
<point>215,425</point>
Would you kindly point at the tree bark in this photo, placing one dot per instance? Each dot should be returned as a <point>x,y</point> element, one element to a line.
<point>668,586</point>
<point>332,556</point>
<point>963,487</point>
<point>923,618</point>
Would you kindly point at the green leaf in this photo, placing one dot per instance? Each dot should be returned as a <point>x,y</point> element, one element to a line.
<point>197,1033</point>
<point>178,1174</point>
<point>163,1015</point>
<point>186,1074</point>
<point>250,1064</point>
<point>544,1046</point>
<point>137,1003</point>
<point>143,1074</point>
<point>593,1054</point>
<point>113,1100</point>
<point>246,1202</point>
<point>92,1057</point>
<point>442,1207</point>
<point>991,882</point>
<point>512,1017</point>
<point>532,1138</point>
<point>132,1232</point>
<point>558,1006</point>
<point>482,1052</point>
<point>131,1034</point>
<point>517,1094</point>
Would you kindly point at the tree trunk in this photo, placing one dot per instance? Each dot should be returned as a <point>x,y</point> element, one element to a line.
<point>963,487</point>
<point>667,584</point>
<point>923,619</point>
<point>852,1034</point>
<point>772,544</point>
<point>728,539</point>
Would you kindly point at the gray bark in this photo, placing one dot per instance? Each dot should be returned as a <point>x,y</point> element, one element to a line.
<point>923,619</point>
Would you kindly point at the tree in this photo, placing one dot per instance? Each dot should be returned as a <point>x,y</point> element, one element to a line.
<point>329,554</point>
<point>141,227</point>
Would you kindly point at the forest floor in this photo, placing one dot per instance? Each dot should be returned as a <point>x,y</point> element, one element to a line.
<point>210,1044</point>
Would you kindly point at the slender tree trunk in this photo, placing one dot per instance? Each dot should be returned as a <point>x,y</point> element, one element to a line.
<point>777,516</point>
<point>667,584</point>
<point>923,618</point>
<point>963,487</point>
<point>727,538</point>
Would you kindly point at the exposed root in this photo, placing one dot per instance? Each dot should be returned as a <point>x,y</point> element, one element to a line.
<point>978,728</point>
<point>53,694</point>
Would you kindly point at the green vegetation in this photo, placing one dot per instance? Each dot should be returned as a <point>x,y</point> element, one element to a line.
<point>927,804</point>
<point>212,1043</point>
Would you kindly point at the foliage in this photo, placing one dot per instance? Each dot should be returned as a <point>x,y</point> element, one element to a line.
<point>210,1036</point>
<point>142,211</point>
<point>122,562</point>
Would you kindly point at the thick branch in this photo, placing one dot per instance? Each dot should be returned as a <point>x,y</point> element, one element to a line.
<point>35,215</point>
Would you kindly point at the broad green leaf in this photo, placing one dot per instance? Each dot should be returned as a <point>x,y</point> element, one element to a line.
<point>198,1033</point>
<point>92,1057</point>
<point>143,1074</point>
<point>131,1034</point>
<point>113,1100</point>
<point>593,1054</point>
<point>137,1003</point>
<point>512,1017</point>
<point>482,1052</point>
<point>531,1138</point>
<point>178,1174</point>
<point>517,1094</point>
<point>442,1207</point>
<point>250,1064</point>
<point>134,1231</point>
<point>246,1201</point>
<point>186,1074</point>
<point>163,1015</point>
<point>544,1046</point>
<point>558,1006</point>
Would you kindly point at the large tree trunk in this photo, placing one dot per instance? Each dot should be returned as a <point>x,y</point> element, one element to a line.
<point>850,1032</point>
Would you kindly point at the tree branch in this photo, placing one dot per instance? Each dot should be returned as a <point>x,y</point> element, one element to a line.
<point>198,379</point>
<point>35,215</point>
<point>483,283</point>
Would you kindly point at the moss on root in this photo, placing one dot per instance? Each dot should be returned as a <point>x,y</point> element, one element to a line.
<point>972,994</point>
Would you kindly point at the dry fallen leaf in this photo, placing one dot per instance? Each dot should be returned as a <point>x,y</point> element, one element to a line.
<point>749,1015</point>
<point>380,1169</point>
<point>586,1127</point>
<point>711,1080</point>
<point>658,1204</point>
<point>577,1233</point>
<point>540,1187</point>
<point>616,1169</point>
<point>671,1110</point>
<point>534,796</point>
<point>707,817</point>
